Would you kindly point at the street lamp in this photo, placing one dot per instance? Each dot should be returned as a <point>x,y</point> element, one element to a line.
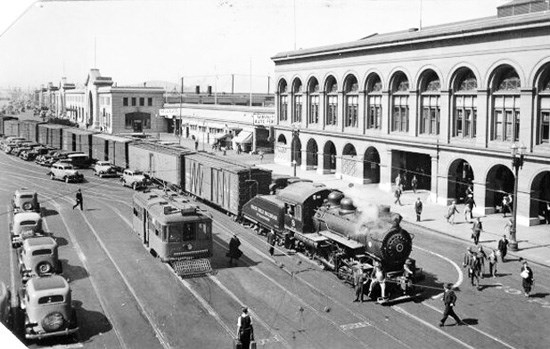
<point>518,153</point>
<point>295,135</point>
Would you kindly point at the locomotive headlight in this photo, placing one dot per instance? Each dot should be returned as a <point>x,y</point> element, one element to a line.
<point>399,248</point>
<point>370,244</point>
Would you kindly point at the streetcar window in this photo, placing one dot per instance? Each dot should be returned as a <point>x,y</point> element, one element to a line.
<point>181,232</point>
<point>203,230</point>
<point>298,212</point>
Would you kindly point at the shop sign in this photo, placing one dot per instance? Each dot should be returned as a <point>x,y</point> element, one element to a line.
<point>263,119</point>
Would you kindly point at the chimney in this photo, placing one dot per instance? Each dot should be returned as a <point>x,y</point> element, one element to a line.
<point>197,89</point>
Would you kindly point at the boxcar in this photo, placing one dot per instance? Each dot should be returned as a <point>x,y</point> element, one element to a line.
<point>76,139</point>
<point>51,134</point>
<point>224,183</point>
<point>10,126</point>
<point>29,129</point>
<point>111,148</point>
<point>165,163</point>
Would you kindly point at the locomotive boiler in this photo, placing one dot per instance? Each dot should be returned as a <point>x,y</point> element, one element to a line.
<point>373,234</point>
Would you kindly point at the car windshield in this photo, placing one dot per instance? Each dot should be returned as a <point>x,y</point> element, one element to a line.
<point>28,223</point>
<point>44,251</point>
<point>26,196</point>
<point>137,173</point>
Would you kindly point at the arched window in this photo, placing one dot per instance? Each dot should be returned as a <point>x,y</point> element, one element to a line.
<point>313,116</point>
<point>297,92</point>
<point>543,122</point>
<point>283,101</point>
<point>332,102</point>
<point>506,102</point>
<point>352,102</point>
<point>374,103</point>
<point>465,105</point>
<point>400,102</point>
<point>429,122</point>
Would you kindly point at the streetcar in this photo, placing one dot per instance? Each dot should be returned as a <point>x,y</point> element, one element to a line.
<point>174,230</point>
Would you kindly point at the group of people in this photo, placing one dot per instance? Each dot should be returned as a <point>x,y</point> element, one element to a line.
<point>361,280</point>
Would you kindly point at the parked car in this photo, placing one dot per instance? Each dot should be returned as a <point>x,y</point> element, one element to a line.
<point>5,305</point>
<point>46,159</point>
<point>11,143</point>
<point>105,169</point>
<point>38,257</point>
<point>65,172</point>
<point>25,200</point>
<point>24,226</point>
<point>46,302</point>
<point>32,154</point>
<point>134,179</point>
<point>16,151</point>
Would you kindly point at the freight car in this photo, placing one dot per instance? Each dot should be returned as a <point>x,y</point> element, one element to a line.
<point>111,148</point>
<point>160,162</point>
<point>225,184</point>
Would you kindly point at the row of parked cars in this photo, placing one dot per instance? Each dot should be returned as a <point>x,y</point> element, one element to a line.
<point>44,299</point>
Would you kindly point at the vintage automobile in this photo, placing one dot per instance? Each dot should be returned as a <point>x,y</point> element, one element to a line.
<point>25,200</point>
<point>134,179</point>
<point>46,302</point>
<point>38,257</point>
<point>79,160</point>
<point>5,311</point>
<point>10,143</point>
<point>65,172</point>
<point>105,169</point>
<point>24,226</point>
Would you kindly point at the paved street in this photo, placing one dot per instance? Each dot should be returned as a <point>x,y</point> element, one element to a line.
<point>127,299</point>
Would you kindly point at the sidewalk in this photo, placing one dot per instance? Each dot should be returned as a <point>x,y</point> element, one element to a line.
<point>533,242</point>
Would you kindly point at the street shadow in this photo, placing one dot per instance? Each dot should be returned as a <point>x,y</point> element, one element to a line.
<point>502,274</point>
<point>61,241</point>
<point>486,241</point>
<point>91,209</point>
<point>73,272</point>
<point>46,212</point>
<point>539,295</point>
<point>470,322</point>
<point>427,220</point>
<point>429,287</point>
<point>536,246</point>
<point>221,261</point>
<point>482,287</point>
<point>91,323</point>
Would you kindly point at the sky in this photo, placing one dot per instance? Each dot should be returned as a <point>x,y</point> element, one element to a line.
<point>204,41</point>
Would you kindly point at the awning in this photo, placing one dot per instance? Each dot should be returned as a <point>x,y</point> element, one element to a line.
<point>243,137</point>
<point>221,136</point>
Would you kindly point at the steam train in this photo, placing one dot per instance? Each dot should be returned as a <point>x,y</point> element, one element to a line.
<point>328,227</point>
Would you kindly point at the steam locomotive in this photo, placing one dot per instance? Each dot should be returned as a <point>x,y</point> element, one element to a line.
<point>325,225</point>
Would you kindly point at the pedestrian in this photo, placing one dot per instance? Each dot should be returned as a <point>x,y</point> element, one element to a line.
<point>477,227</point>
<point>78,200</point>
<point>397,195</point>
<point>472,263</point>
<point>451,210</point>
<point>547,215</point>
<point>378,276</point>
<point>493,263</point>
<point>469,207</point>
<point>506,204</point>
<point>449,299</point>
<point>503,247</point>
<point>469,191</point>
<point>360,279</point>
<point>482,256</point>
<point>398,180</point>
<point>508,226</point>
<point>527,278</point>
<point>418,209</point>
<point>271,242</point>
<point>234,252</point>
<point>239,149</point>
<point>196,144</point>
<point>414,183</point>
<point>245,330</point>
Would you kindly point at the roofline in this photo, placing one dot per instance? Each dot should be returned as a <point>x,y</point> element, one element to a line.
<point>537,20</point>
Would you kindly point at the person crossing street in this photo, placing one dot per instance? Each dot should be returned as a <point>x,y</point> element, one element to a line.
<point>79,200</point>
<point>449,299</point>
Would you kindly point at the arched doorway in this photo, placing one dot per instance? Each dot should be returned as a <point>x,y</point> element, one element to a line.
<point>540,195</point>
<point>296,154</point>
<point>349,160</point>
<point>500,182</point>
<point>371,166</point>
<point>329,157</point>
<point>459,178</point>
<point>311,154</point>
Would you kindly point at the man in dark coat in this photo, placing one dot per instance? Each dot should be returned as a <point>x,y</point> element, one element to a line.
<point>360,280</point>
<point>449,299</point>
<point>245,331</point>
<point>503,247</point>
<point>271,242</point>
<point>78,200</point>
<point>476,230</point>
<point>418,209</point>
<point>234,252</point>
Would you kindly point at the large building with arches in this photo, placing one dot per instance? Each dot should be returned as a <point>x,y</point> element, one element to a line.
<point>443,103</point>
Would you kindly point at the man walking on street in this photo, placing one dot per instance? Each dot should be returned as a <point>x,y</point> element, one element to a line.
<point>79,200</point>
<point>527,278</point>
<point>468,209</point>
<point>418,209</point>
<point>414,183</point>
<point>476,230</point>
<point>398,195</point>
<point>271,242</point>
<point>493,263</point>
<point>245,331</point>
<point>503,247</point>
<point>449,299</point>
